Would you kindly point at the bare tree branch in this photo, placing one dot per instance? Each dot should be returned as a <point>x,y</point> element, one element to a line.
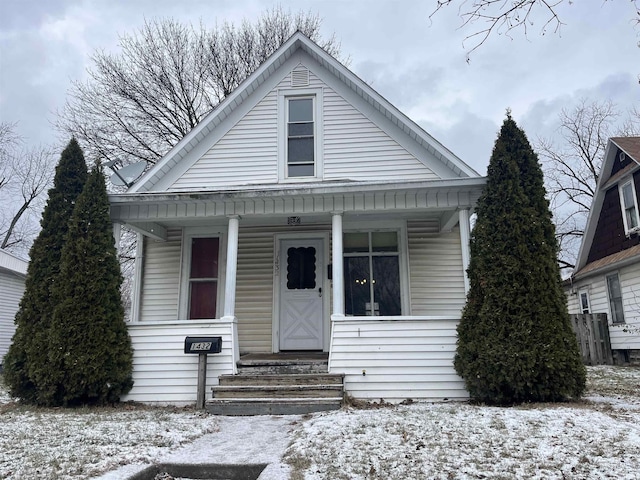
<point>141,101</point>
<point>504,17</point>
<point>572,168</point>
<point>25,175</point>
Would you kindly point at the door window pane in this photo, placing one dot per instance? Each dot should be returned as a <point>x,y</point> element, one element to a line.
<point>301,268</point>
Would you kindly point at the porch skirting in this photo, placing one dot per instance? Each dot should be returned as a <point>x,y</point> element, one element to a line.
<point>396,358</point>
<point>393,358</point>
<point>163,373</point>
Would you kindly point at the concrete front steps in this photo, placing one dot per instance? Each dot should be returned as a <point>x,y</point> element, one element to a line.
<point>278,385</point>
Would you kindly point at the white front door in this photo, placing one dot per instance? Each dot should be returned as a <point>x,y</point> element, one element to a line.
<point>301,291</point>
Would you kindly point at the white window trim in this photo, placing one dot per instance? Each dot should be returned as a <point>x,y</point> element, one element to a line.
<point>185,263</point>
<point>399,226</point>
<point>606,284</point>
<point>318,124</point>
<point>621,185</point>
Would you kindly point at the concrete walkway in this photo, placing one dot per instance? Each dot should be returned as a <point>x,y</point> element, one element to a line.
<point>241,440</point>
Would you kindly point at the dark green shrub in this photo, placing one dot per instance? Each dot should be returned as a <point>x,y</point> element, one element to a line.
<point>26,361</point>
<point>90,355</point>
<point>515,342</point>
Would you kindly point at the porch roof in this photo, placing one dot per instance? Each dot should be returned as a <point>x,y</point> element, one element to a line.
<point>150,212</point>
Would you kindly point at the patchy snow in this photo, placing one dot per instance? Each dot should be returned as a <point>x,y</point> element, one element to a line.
<point>594,439</point>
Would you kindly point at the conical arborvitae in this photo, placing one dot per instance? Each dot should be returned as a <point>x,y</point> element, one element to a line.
<point>27,355</point>
<point>90,354</point>
<point>515,341</point>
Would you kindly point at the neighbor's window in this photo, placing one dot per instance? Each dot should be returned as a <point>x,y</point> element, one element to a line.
<point>300,137</point>
<point>585,306</point>
<point>372,273</point>
<point>629,206</point>
<point>615,298</point>
<point>203,278</point>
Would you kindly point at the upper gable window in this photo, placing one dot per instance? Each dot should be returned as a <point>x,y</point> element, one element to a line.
<point>300,137</point>
<point>628,201</point>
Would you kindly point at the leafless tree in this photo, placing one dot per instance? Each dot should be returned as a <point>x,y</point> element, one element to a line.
<point>140,102</point>
<point>572,166</point>
<point>25,174</point>
<point>506,17</point>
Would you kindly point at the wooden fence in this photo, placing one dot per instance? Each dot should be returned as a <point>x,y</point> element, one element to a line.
<point>592,332</point>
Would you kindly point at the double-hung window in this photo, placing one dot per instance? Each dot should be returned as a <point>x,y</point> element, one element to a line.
<point>585,306</point>
<point>629,206</point>
<point>372,273</point>
<point>615,298</point>
<point>301,161</point>
<point>203,277</point>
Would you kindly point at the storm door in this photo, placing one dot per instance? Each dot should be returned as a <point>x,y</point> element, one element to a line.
<point>301,304</point>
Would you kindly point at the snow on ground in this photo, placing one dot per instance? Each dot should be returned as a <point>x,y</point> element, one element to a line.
<point>596,438</point>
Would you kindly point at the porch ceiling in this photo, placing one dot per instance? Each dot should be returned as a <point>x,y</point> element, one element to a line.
<point>152,213</point>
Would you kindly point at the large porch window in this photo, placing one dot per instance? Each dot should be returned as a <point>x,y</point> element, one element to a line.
<point>203,277</point>
<point>372,273</point>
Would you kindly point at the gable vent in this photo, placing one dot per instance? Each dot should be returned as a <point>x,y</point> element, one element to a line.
<point>300,77</point>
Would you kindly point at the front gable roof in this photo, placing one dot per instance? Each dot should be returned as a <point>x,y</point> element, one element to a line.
<point>610,174</point>
<point>160,176</point>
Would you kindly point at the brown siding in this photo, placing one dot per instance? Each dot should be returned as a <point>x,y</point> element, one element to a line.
<point>618,165</point>
<point>609,237</point>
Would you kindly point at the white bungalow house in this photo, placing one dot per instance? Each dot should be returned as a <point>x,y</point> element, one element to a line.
<point>606,278</point>
<point>13,271</point>
<point>304,214</point>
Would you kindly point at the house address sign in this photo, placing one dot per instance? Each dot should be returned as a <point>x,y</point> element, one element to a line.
<point>202,344</point>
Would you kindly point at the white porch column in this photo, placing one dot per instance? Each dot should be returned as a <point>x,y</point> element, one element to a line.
<point>232,267</point>
<point>230,286</point>
<point>337,261</point>
<point>465,237</point>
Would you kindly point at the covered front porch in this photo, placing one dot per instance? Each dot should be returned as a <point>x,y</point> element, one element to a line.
<point>372,277</point>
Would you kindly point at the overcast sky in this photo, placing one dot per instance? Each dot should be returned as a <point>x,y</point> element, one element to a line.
<point>417,64</point>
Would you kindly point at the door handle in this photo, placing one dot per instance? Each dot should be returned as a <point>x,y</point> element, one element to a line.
<point>320,292</point>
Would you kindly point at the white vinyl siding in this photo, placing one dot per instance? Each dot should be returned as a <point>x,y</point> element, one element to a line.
<point>11,290</point>
<point>246,154</point>
<point>356,148</point>
<point>161,278</point>
<point>397,359</point>
<point>436,272</point>
<point>162,372</point>
<point>353,147</point>
<point>623,336</point>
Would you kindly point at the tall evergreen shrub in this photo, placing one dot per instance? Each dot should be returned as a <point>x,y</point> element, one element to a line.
<point>515,341</point>
<point>26,361</point>
<point>90,354</point>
